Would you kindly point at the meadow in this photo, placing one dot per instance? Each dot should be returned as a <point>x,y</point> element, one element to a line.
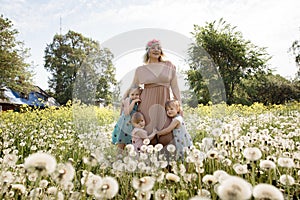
<point>240,152</point>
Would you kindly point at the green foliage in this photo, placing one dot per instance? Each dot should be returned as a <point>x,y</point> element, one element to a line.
<point>79,67</point>
<point>295,49</point>
<point>219,56</point>
<point>271,89</point>
<point>15,72</point>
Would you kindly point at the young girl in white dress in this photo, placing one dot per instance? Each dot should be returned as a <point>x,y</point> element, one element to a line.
<point>181,137</point>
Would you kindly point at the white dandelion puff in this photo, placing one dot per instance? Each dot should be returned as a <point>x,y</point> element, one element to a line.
<point>143,184</point>
<point>240,169</point>
<point>171,148</point>
<point>19,187</point>
<point>162,194</point>
<point>267,164</point>
<point>234,188</point>
<point>252,153</point>
<point>64,173</point>
<point>42,162</point>
<point>146,141</point>
<point>286,180</point>
<point>209,179</point>
<point>266,191</point>
<point>107,189</point>
<point>172,177</point>
<point>285,162</point>
<point>143,195</point>
<point>158,147</point>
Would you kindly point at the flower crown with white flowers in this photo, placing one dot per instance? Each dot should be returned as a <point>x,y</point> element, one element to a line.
<point>152,43</point>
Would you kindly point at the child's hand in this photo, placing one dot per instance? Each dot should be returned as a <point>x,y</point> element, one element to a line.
<point>154,131</point>
<point>136,100</point>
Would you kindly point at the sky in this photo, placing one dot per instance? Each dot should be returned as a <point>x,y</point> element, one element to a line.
<point>274,24</point>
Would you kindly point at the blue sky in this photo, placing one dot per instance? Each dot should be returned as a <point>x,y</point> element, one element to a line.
<point>274,24</point>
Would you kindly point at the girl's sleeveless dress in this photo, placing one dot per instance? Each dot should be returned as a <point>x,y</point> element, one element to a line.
<point>181,137</point>
<point>122,131</point>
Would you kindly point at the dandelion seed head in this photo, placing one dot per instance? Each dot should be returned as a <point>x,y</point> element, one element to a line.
<point>19,187</point>
<point>240,169</point>
<point>285,162</point>
<point>143,184</point>
<point>146,141</point>
<point>42,162</point>
<point>252,153</point>
<point>171,148</point>
<point>162,194</point>
<point>267,164</point>
<point>234,188</point>
<point>209,179</point>
<point>107,189</point>
<point>266,191</point>
<point>172,177</point>
<point>286,179</point>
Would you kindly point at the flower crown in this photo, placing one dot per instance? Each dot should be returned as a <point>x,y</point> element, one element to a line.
<point>151,43</point>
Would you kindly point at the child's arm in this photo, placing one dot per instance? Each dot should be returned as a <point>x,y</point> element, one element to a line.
<point>141,134</point>
<point>128,107</point>
<point>170,128</point>
<point>152,135</point>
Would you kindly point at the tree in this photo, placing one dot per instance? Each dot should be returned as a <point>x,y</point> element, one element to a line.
<point>15,72</point>
<point>74,58</point>
<point>271,89</point>
<point>220,52</point>
<point>295,49</point>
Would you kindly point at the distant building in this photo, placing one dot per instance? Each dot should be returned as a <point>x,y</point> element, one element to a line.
<point>37,98</point>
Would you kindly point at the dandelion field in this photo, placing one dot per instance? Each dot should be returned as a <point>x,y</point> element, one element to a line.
<point>240,152</point>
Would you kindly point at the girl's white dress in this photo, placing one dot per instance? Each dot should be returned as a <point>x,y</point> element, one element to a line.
<point>181,137</point>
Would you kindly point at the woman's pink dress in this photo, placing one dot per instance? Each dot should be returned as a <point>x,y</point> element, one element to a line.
<point>158,79</point>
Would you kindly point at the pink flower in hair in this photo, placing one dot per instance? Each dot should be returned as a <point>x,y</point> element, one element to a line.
<point>152,42</point>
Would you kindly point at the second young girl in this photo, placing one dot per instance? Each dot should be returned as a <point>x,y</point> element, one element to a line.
<point>181,137</point>
<point>121,134</point>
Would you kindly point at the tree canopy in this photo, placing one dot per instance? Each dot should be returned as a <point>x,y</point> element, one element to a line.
<point>219,56</point>
<point>15,72</point>
<point>79,67</point>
